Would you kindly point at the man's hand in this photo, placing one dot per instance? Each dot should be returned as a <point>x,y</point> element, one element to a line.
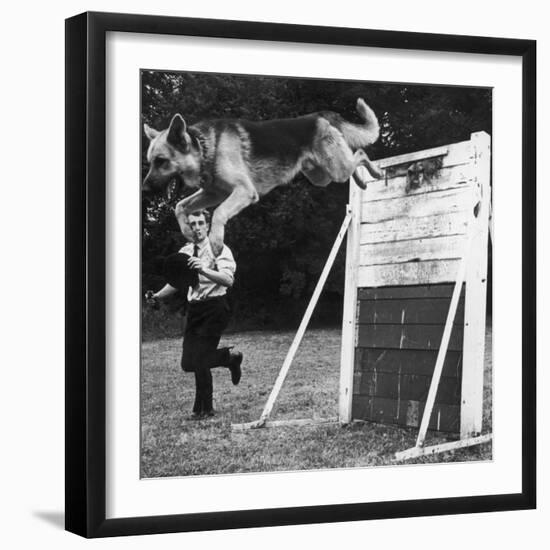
<point>151,299</point>
<point>196,263</point>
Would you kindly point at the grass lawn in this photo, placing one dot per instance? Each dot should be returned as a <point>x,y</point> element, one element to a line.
<point>174,446</point>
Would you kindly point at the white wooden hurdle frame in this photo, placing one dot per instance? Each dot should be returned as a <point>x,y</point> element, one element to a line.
<point>472,270</point>
<point>263,420</point>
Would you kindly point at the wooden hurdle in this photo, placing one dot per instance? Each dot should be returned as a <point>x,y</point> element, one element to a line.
<point>415,341</point>
<point>415,293</point>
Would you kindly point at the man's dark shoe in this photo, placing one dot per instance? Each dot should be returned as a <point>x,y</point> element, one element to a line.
<point>209,414</point>
<point>235,360</point>
<point>195,416</point>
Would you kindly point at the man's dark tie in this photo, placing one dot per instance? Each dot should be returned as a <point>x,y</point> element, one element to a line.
<point>196,254</point>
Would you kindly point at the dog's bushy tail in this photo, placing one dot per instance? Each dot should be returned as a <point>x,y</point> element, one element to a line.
<point>361,135</point>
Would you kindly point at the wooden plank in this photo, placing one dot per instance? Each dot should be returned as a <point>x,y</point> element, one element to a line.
<point>357,376</point>
<point>426,337</point>
<point>417,206</point>
<point>476,297</point>
<point>345,388</point>
<point>428,226</point>
<point>398,186</point>
<point>445,418</point>
<point>248,425</point>
<point>419,362</point>
<point>410,387</point>
<point>444,290</point>
<point>294,422</point>
<point>408,312</point>
<point>409,273</point>
<point>415,452</point>
<point>456,153</point>
<point>412,250</point>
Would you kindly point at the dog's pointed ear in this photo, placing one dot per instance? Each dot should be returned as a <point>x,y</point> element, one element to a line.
<point>177,132</point>
<point>151,133</point>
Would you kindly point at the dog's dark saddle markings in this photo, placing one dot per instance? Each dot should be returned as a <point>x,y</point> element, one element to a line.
<point>234,162</point>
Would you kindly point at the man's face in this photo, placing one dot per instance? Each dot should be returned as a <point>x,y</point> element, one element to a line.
<point>198,226</point>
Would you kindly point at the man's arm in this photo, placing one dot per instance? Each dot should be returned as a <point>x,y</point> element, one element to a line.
<point>164,292</point>
<point>224,278</point>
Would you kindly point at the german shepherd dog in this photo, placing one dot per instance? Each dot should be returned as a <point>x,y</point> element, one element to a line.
<point>233,162</point>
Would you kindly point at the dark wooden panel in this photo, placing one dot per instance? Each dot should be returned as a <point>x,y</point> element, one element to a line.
<point>406,361</point>
<point>405,413</point>
<point>407,387</point>
<point>399,334</point>
<point>412,311</point>
<point>410,291</point>
<point>407,336</point>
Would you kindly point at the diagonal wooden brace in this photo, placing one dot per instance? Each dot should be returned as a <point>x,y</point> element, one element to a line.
<point>303,325</point>
<point>436,377</point>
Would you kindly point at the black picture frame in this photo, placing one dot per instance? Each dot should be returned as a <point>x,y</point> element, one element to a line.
<point>86,264</point>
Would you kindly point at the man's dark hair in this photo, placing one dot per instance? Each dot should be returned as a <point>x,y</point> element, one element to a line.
<point>204,213</point>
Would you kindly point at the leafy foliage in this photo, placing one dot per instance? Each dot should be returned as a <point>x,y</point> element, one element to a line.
<point>281,243</point>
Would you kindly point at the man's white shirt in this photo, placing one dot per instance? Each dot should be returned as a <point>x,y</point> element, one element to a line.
<point>224,263</point>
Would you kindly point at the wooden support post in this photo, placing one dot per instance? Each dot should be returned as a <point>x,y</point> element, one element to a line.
<point>305,320</point>
<point>347,348</point>
<point>471,412</point>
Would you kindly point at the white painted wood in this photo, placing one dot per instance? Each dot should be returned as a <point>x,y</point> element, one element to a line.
<point>476,298</point>
<point>293,422</point>
<point>305,320</point>
<point>428,226</point>
<point>415,452</point>
<point>442,352</point>
<point>248,426</point>
<point>347,349</point>
<point>422,249</point>
<point>417,206</point>
<point>457,153</point>
<point>391,215</point>
<point>410,273</point>
<point>451,177</point>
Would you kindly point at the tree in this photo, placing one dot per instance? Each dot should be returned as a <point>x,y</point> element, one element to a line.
<point>281,243</point>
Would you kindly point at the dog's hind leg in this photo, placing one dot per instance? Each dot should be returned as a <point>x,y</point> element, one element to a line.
<point>197,201</point>
<point>359,174</point>
<point>374,171</point>
<point>359,179</point>
<point>243,196</point>
<point>338,159</point>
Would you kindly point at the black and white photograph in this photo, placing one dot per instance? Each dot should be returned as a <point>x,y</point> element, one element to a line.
<point>316,273</point>
<point>274,275</point>
<point>301,265</point>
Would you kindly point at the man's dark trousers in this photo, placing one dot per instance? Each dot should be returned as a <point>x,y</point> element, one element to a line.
<point>206,320</point>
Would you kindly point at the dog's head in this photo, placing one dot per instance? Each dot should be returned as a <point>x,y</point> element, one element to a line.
<point>174,159</point>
